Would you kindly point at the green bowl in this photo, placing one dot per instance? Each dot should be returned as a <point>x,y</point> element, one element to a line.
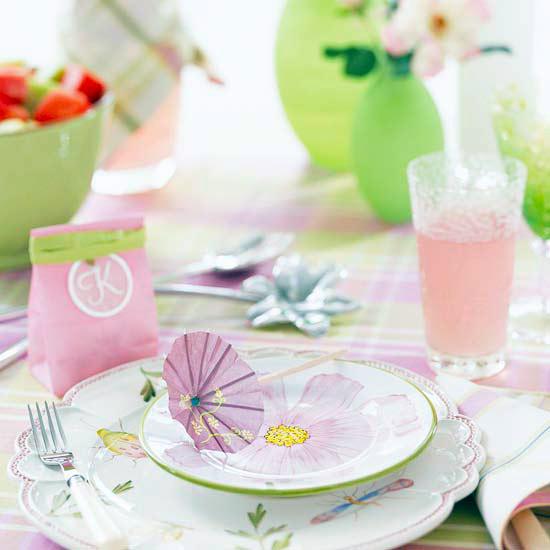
<point>45,175</point>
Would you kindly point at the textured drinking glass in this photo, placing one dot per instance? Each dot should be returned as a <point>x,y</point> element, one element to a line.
<point>466,214</point>
<point>525,134</point>
<point>138,49</point>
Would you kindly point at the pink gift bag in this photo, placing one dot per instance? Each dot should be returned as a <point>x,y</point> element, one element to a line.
<point>91,305</point>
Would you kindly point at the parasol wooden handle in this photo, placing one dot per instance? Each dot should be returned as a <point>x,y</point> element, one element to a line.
<point>530,532</point>
<point>299,368</point>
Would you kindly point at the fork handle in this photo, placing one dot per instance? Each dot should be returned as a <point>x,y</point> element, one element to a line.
<point>106,535</point>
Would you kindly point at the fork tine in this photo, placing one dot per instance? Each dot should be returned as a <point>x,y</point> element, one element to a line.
<point>37,443</point>
<point>42,429</point>
<point>60,426</point>
<point>52,427</point>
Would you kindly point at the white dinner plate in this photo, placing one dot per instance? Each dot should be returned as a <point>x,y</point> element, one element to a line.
<point>340,424</point>
<point>158,511</point>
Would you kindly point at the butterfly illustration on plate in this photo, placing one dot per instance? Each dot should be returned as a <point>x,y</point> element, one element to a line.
<point>121,443</point>
<point>353,504</point>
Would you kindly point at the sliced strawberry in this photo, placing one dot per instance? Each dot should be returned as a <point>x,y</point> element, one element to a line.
<point>13,83</point>
<point>7,100</point>
<point>60,104</point>
<point>76,77</point>
<point>8,110</point>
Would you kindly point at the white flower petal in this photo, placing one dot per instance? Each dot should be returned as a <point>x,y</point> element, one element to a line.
<point>428,59</point>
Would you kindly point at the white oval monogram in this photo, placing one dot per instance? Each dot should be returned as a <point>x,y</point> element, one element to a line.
<point>101,289</point>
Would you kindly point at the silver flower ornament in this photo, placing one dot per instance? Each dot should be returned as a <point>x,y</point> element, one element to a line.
<point>298,294</point>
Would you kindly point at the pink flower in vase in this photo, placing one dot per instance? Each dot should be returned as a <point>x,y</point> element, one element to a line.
<point>405,28</point>
<point>351,5</point>
<point>323,430</point>
<point>433,30</point>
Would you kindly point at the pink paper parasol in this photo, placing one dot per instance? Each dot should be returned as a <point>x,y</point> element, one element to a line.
<point>213,393</point>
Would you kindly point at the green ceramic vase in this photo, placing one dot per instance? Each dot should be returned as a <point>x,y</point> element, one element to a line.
<point>45,176</point>
<point>396,121</point>
<point>319,100</point>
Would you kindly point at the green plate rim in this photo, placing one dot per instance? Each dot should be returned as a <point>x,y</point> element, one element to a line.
<point>294,492</point>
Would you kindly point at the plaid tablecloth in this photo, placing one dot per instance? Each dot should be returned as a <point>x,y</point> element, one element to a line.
<point>206,201</point>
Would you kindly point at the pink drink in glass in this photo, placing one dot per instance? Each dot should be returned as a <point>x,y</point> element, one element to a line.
<point>465,294</point>
<point>466,213</point>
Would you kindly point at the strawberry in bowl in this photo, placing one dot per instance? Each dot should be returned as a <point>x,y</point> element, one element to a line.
<point>50,137</point>
<point>69,93</point>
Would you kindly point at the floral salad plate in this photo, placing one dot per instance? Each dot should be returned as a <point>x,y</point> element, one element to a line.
<point>338,425</point>
<point>161,511</point>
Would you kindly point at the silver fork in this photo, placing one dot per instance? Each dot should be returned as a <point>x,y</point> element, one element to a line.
<point>53,451</point>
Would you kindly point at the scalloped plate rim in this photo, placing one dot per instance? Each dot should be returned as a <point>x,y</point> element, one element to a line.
<point>472,469</point>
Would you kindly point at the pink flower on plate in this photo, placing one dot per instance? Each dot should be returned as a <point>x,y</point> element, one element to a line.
<point>324,429</point>
<point>434,29</point>
<point>395,413</point>
<point>186,455</point>
<point>327,427</point>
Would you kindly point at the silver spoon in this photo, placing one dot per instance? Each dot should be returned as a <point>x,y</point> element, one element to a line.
<point>13,314</point>
<point>176,289</point>
<point>13,353</point>
<point>249,252</point>
<point>19,349</point>
<point>173,289</point>
<point>295,294</point>
<point>246,254</point>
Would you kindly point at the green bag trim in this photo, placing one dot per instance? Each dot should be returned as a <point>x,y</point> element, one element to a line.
<point>86,245</point>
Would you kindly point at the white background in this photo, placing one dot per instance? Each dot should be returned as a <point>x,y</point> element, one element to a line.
<point>246,115</point>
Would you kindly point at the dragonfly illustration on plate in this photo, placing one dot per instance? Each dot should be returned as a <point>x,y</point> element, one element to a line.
<point>351,502</point>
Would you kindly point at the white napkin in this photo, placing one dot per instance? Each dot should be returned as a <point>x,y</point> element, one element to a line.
<point>137,47</point>
<point>516,436</point>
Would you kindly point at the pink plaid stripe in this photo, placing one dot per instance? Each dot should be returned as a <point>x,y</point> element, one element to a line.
<point>333,224</point>
<point>476,402</point>
<point>539,498</point>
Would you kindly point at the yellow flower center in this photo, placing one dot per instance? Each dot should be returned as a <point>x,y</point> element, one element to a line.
<point>286,436</point>
<point>438,24</point>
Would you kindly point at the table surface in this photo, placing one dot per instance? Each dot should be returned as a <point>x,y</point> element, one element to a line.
<point>249,188</point>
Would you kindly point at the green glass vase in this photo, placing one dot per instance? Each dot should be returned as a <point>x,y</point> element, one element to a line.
<point>319,100</point>
<point>396,121</point>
